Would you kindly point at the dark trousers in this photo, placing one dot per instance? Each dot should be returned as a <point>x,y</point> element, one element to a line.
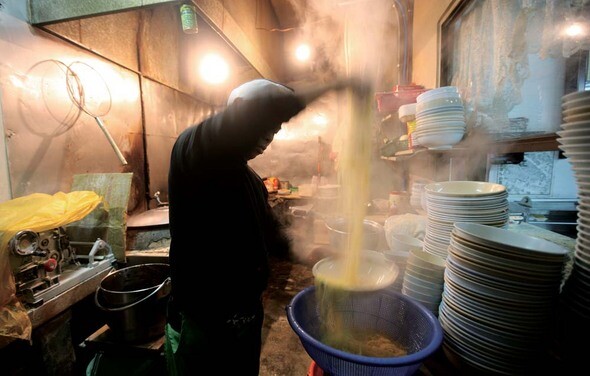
<point>231,344</point>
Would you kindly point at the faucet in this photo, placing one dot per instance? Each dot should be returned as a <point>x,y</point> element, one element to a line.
<point>527,204</point>
<point>157,197</point>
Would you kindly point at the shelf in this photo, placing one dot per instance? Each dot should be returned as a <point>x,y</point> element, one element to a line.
<point>409,154</point>
<point>490,144</point>
<point>525,143</point>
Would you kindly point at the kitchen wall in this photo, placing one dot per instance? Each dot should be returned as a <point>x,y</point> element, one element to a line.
<point>542,175</point>
<point>49,139</point>
<point>157,63</point>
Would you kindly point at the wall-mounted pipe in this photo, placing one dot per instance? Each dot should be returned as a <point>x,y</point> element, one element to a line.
<point>405,9</point>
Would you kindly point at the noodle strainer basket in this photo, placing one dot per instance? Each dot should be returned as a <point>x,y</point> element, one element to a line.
<point>384,311</point>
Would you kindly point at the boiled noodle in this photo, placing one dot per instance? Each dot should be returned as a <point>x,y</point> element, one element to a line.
<point>333,288</point>
<point>335,284</point>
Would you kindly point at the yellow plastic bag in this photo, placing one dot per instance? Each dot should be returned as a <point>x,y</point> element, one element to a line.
<point>36,212</point>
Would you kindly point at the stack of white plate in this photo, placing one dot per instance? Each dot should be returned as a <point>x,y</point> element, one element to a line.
<point>440,118</point>
<point>500,294</point>
<point>461,201</point>
<point>424,279</point>
<point>400,258</point>
<point>400,246</point>
<point>574,140</point>
<point>416,196</point>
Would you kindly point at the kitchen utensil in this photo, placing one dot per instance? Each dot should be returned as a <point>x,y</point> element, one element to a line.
<point>90,92</point>
<point>385,312</point>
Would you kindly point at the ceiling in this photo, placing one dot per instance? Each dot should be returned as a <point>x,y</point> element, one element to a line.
<point>286,13</point>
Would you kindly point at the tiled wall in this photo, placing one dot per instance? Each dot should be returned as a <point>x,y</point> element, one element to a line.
<point>541,175</point>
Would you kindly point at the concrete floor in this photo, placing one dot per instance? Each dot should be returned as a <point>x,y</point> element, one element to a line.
<point>282,352</point>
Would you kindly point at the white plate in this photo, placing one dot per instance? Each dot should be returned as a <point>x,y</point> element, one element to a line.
<point>497,237</point>
<point>521,281</point>
<point>577,149</point>
<point>578,102</point>
<point>502,295</point>
<point>465,189</point>
<point>578,117</point>
<point>575,95</point>
<point>465,209</point>
<point>575,140</point>
<point>575,125</point>
<point>548,264</point>
<point>574,132</point>
<point>483,256</point>
<point>576,110</point>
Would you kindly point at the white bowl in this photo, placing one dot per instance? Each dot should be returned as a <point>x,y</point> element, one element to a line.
<point>446,139</point>
<point>420,284</point>
<point>404,243</point>
<point>425,274</point>
<point>428,129</point>
<point>437,92</point>
<point>433,298</point>
<point>373,272</point>
<point>426,260</point>
<point>464,188</point>
<point>448,103</point>
<point>443,124</point>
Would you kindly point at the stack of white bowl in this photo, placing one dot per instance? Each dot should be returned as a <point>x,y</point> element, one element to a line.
<point>499,298</point>
<point>440,118</point>
<point>417,195</point>
<point>574,140</point>
<point>461,201</point>
<point>424,279</point>
<point>400,247</point>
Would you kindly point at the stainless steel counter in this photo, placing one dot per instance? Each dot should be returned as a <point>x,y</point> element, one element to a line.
<point>66,299</point>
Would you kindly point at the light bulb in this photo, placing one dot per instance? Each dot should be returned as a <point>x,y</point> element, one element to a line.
<point>303,52</point>
<point>213,69</point>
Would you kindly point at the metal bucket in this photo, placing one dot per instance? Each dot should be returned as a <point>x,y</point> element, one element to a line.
<point>134,300</point>
<point>339,235</point>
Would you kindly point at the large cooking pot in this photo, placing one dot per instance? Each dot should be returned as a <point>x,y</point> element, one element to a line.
<point>149,229</point>
<point>134,301</point>
<point>338,229</point>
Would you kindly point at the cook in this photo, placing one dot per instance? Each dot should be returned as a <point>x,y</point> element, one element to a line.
<point>222,228</point>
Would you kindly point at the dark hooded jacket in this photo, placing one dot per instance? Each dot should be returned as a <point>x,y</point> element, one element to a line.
<point>221,224</point>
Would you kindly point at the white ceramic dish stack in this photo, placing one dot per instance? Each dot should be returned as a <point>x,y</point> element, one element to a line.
<point>417,200</point>
<point>440,118</point>
<point>461,201</point>
<point>574,140</point>
<point>499,298</point>
<point>400,246</point>
<point>424,278</point>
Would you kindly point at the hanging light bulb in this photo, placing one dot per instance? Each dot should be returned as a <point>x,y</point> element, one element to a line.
<point>574,30</point>
<point>303,52</point>
<point>213,69</point>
